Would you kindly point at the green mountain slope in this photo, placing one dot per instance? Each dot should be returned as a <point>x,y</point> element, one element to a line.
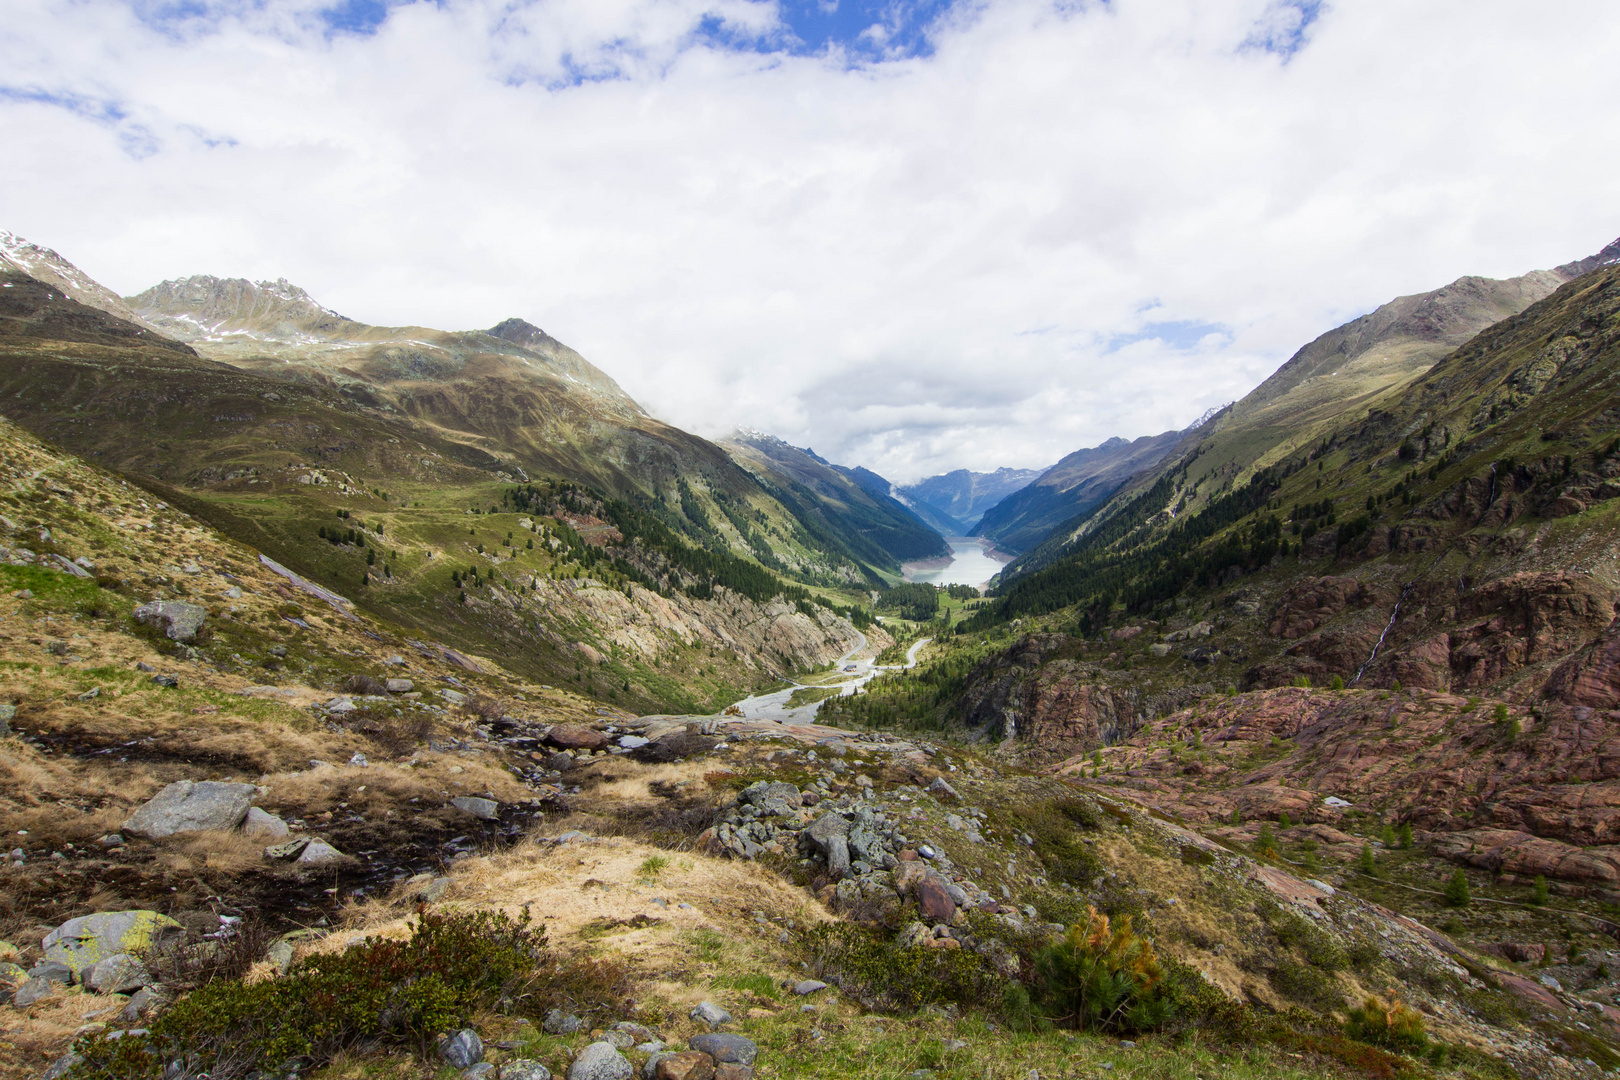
<point>1072,488</point>
<point>873,526</point>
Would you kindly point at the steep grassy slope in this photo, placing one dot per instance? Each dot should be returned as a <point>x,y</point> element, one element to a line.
<point>1364,366</point>
<point>275,463</point>
<point>872,525</point>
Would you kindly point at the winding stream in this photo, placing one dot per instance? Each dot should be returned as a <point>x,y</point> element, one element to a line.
<point>774,705</point>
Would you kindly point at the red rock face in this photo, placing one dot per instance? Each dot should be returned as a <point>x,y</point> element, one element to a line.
<point>1545,802</point>
<point>1592,677</point>
<point>577,737</point>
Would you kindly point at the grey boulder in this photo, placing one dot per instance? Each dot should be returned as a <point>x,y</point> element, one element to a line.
<point>33,990</point>
<point>319,853</point>
<point>601,1061</point>
<point>558,1022</point>
<point>178,620</point>
<point>118,974</point>
<point>462,1050</point>
<point>710,1013</point>
<point>482,809</point>
<point>724,1048</point>
<point>265,824</point>
<point>89,939</point>
<point>61,1066</point>
<point>192,806</point>
<point>525,1069</point>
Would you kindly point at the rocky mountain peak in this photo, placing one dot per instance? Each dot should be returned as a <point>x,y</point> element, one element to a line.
<point>1607,257</point>
<point>521,332</point>
<point>204,305</point>
<point>46,266</point>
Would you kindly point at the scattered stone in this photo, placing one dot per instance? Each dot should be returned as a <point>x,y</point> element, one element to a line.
<point>90,694</point>
<point>686,1065</point>
<point>61,1066</point>
<point>462,1050</point>
<point>483,809</point>
<point>111,840</point>
<point>434,890</point>
<point>809,986</point>
<point>454,697</point>
<point>192,806</point>
<point>53,970</point>
<point>600,1061</point>
<point>290,850</point>
<point>280,954</point>
<point>524,1069</point>
<point>264,824</point>
<point>619,1040</point>
<point>478,1071</point>
<point>141,1002</point>
<point>1551,983</point>
<point>89,939</point>
<point>179,621</point>
<point>167,681</point>
<point>709,1013</point>
<point>118,974</point>
<point>359,760</point>
<point>8,713</point>
<point>562,1023</point>
<point>637,1032</point>
<point>941,790</point>
<point>399,686</point>
<point>724,1047</point>
<point>320,853</point>
<point>33,990</point>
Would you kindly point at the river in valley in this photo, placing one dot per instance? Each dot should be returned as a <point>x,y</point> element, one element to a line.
<point>970,564</point>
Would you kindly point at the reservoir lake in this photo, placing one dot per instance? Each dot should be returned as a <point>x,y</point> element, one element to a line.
<point>969,565</point>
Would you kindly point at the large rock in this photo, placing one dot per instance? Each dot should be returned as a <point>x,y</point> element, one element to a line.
<point>34,989</point>
<point>711,1014</point>
<point>687,1065</point>
<point>463,1049</point>
<point>675,746</point>
<point>935,900</point>
<point>119,974</point>
<point>482,809</point>
<point>601,1061</point>
<point>577,737</point>
<point>771,798</point>
<point>265,824</point>
<point>90,939</point>
<point>524,1069</point>
<point>192,806</point>
<point>320,853</point>
<point>179,621</point>
<point>725,1047</point>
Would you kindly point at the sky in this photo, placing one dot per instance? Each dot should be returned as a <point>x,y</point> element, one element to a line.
<point>915,235</point>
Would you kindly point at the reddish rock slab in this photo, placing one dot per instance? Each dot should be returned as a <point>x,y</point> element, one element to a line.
<point>1526,990</point>
<point>934,901</point>
<point>577,737</point>
<point>686,1065</point>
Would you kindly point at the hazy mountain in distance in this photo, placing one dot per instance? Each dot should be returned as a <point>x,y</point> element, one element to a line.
<point>958,499</point>
<point>1078,483</point>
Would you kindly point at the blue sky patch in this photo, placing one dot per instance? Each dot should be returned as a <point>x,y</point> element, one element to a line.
<point>1180,334</point>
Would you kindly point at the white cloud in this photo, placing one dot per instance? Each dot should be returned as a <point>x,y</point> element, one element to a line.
<point>914,265</point>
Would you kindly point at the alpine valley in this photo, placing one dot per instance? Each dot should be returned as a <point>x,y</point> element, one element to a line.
<point>330,654</point>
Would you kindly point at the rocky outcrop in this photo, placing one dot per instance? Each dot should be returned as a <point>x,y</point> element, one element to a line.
<point>1591,678</point>
<point>192,806</point>
<point>1544,799</point>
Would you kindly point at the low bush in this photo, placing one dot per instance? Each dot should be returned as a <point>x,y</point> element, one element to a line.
<point>377,994</point>
<point>1388,1024</point>
<point>872,967</point>
<point>1102,976</point>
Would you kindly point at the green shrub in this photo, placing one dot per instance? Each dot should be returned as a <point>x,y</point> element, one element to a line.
<point>1457,890</point>
<point>1366,863</point>
<point>1390,1025</point>
<point>1284,821</point>
<point>1388,836</point>
<point>1102,976</point>
<point>380,993</point>
<point>1338,682</point>
<point>875,970</point>
<point>1538,891</point>
<point>1265,844</point>
<point>1403,835</point>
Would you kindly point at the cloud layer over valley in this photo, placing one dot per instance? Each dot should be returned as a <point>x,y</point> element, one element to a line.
<point>913,235</point>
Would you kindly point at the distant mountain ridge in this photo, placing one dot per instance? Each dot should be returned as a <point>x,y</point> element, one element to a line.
<point>1080,482</point>
<point>958,499</point>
